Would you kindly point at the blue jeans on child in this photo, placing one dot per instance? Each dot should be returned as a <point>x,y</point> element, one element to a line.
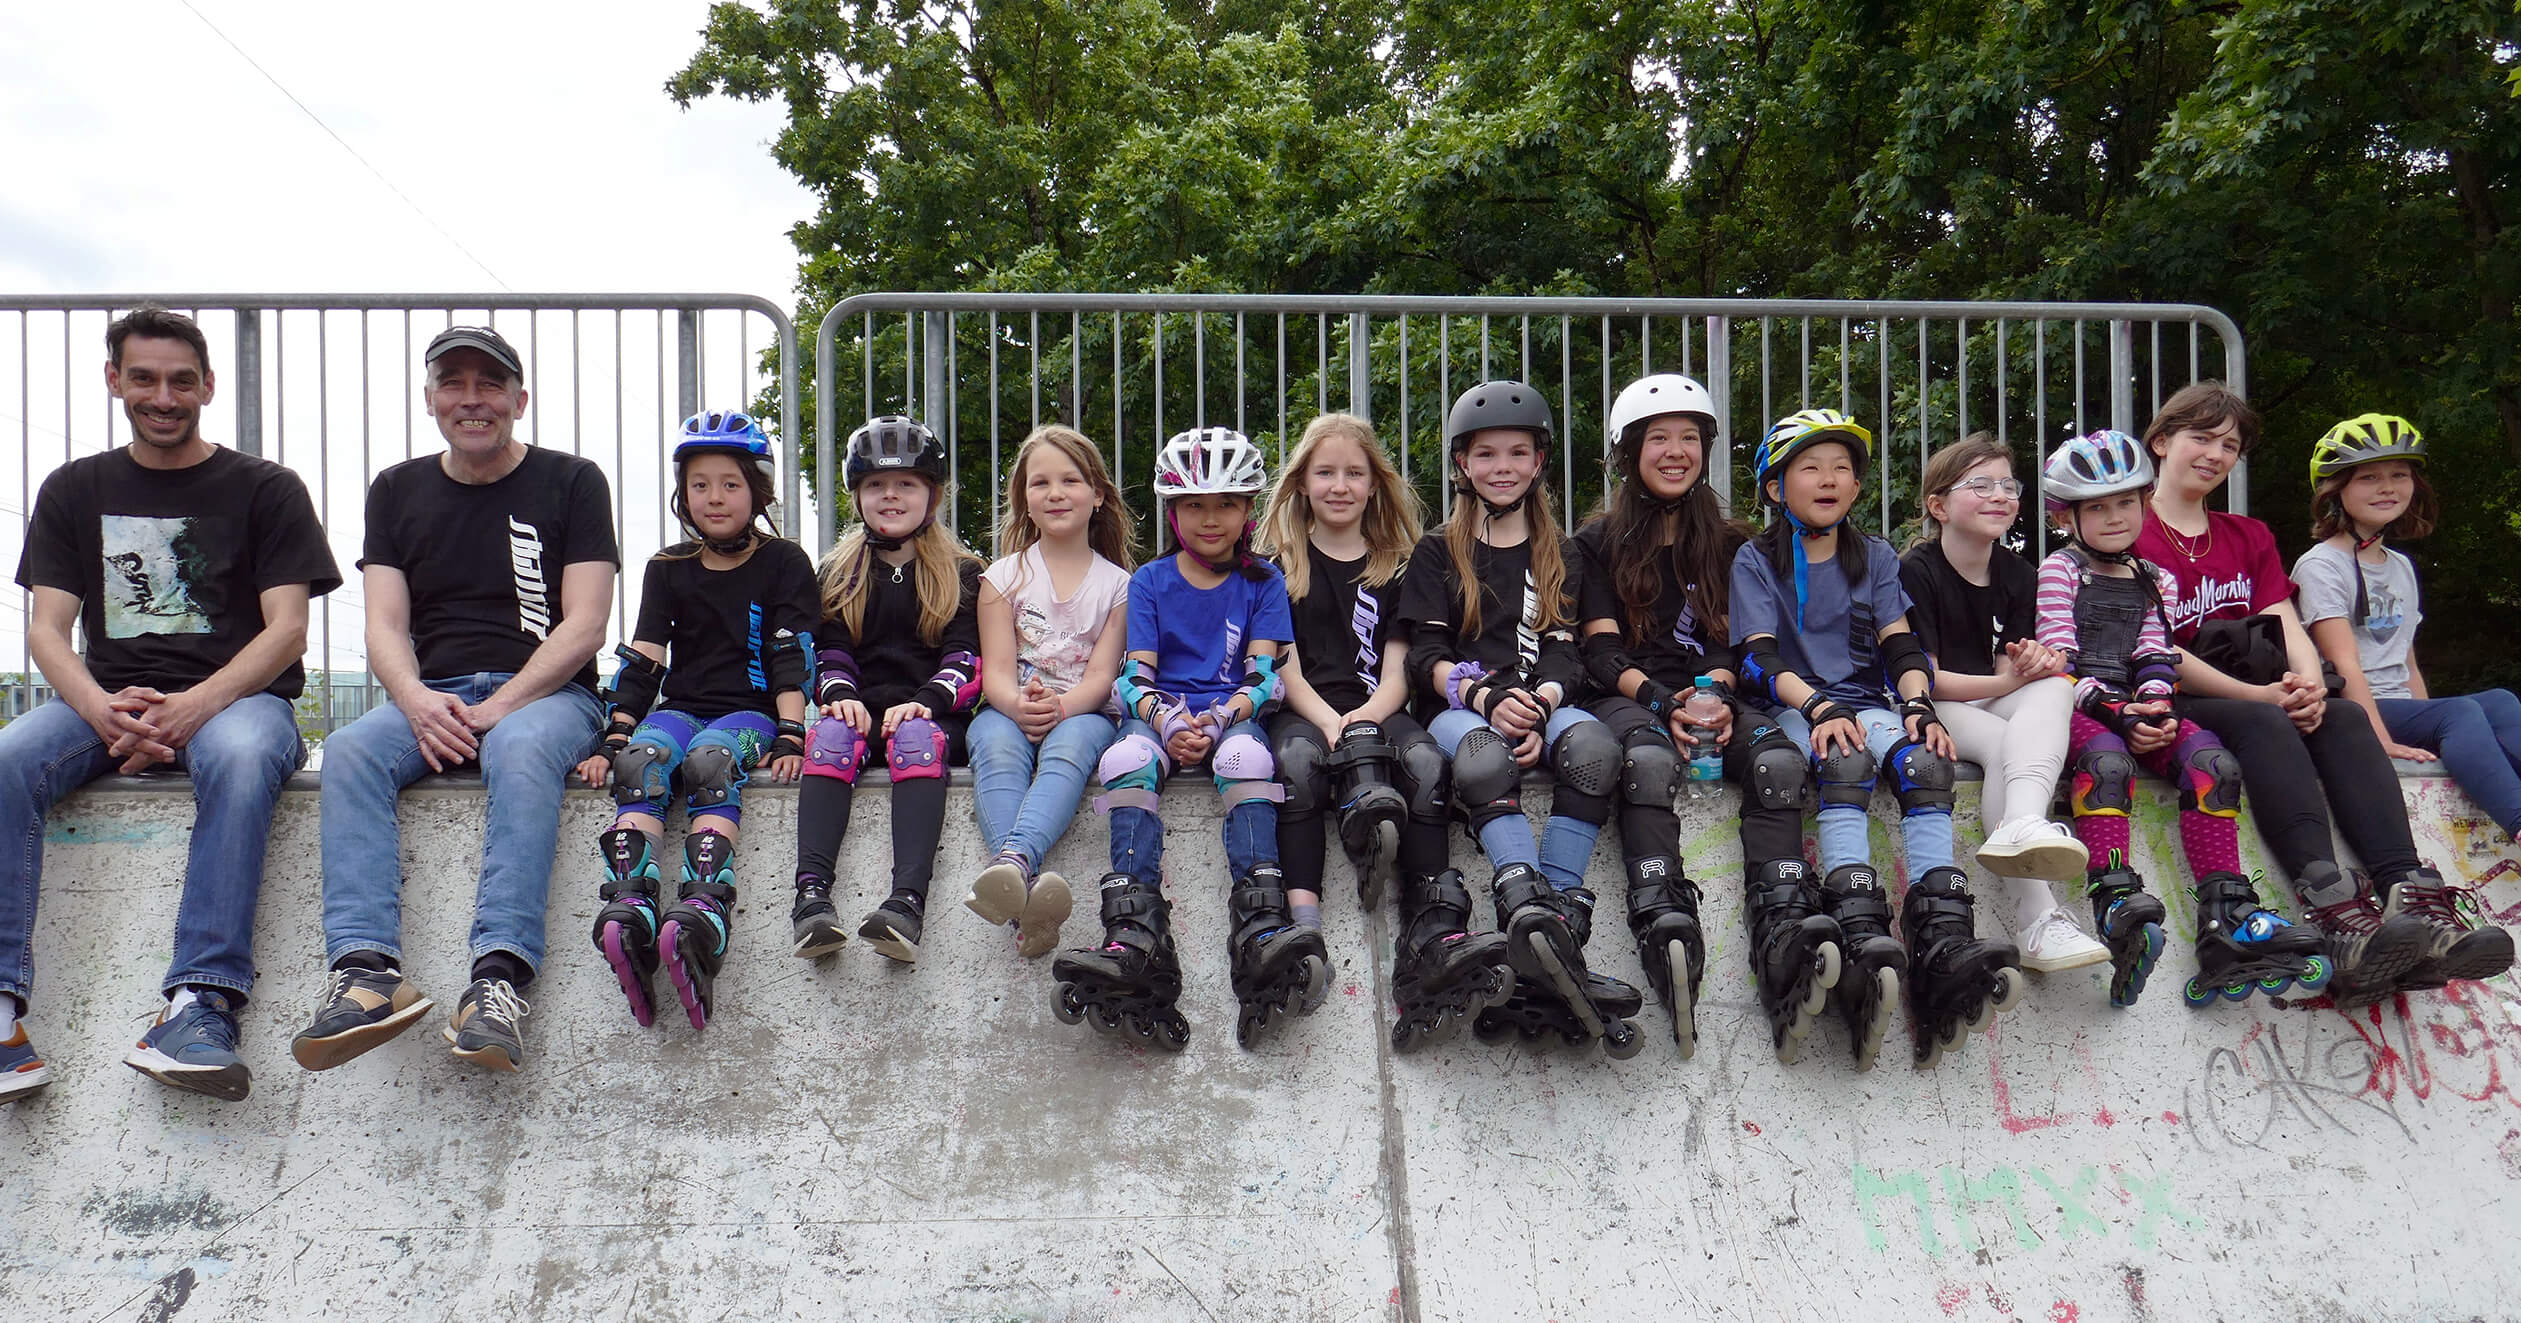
<point>676,735</point>
<point>525,763</point>
<point>1925,838</point>
<point>238,761</point>
<point>1027,794</point>
<point>1251,827</point>
<point>1565,847</point>
<point>2479,738</point>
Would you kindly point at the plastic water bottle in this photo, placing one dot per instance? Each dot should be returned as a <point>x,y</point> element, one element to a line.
<point>1700,714</point>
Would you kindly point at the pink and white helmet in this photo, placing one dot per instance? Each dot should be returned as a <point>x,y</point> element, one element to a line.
<point>1207,461</point>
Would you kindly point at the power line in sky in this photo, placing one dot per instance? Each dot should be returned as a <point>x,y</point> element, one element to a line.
<point>345,145</point>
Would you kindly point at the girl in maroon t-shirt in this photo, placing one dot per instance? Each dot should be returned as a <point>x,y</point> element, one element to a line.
<point>2293,744</point>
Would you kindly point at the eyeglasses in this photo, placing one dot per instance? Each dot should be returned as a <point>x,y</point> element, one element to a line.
<point>1985,488</point>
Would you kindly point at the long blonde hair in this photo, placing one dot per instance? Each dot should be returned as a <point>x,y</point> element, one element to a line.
<point>937,556</point>
<point>1112,530</point>
<point>1549,557</point>
<point>1392,524</point>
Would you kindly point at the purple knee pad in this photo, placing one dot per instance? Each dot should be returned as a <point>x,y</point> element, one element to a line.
<point>1244,770</point>
<point>917,749</point>
<point>833,749</point>
<point>1132,773</point>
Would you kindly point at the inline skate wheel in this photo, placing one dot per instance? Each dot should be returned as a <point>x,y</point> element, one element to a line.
<point>2315,973</point>
<point>1929,1055</point>
<point>1317,985</point>
<point>2237,991</point>
<point>1620,1040</point>
<point>1684,1011</point>
<point>1491,1032</point>
<point>1106,1018</point>
<point>1172,1035</point>
<point>2010,986</point>
<point>2196,994</point>
<point>1066,1005</point>
<point>1789,1048</point>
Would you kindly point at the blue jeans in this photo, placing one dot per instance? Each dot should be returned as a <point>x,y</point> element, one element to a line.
<point>1026,794</point>
<point>677,735</point>
<point>238,761</point>
<point>2479,738</point>
<point>1251,827</point>
<point>1925,837</point>
<point>525,763</point>
<point>1565,847</point>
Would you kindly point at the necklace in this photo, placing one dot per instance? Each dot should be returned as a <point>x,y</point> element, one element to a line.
<point>2195,551</point>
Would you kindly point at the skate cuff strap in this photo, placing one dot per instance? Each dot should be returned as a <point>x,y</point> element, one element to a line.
<point>1138,799</point>
<point>1236,792</point>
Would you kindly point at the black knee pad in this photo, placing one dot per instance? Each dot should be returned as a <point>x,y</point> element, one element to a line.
<point>1650,770</point>
<point>1585,760</point>
<point>1486,783</point>
<point>640,777</point>
<point>1430,781</point>
<point>1921,778</point>
<point>710,776</point>
<point>1779,772</point>
<point>2105,783</point>
<point>1846,778</point>
<point>1303,764</point>
<point>2211,783</point>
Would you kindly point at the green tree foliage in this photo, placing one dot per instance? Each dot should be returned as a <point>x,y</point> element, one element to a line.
<point>2339,176</point>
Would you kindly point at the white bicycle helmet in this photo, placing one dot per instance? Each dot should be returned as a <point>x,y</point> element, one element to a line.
<point>1652,397</point>
<point>1207,461</point>
<point>2102,463</point>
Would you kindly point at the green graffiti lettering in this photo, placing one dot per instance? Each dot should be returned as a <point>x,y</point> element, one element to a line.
<point>1872,1186</point>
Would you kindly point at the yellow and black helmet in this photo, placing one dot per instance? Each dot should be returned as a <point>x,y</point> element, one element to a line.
<point>2363,439</point>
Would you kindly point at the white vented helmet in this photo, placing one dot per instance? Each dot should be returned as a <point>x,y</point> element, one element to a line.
<point>1208,460</point>
<point>2094,465</point>
<point>1655,396</point>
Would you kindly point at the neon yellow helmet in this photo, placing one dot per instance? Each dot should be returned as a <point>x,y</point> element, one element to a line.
<point>2363,439</point>
<point>1796,432</point>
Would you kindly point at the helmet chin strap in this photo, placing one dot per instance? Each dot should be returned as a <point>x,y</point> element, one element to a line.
<point>1803,533</point>
<point>734,546</point>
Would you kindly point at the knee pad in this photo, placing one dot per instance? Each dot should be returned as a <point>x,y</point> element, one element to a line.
<point>2105,783</point>
<point>1486,783</point>
<point>916,751</point>
<point>1303,765</point>
<point>833,749</point>
<point>642,777</point>
<point>1430,780</point>
<point>1779,771</point>
<point>2211,782</point>
<point>712,776</point>
<point>1585,760</point>
<point>1921,778</point>
<point>1650,771</point>
<point>1132,774</point>
<point>1244,770</point>
<point>1846,778</point>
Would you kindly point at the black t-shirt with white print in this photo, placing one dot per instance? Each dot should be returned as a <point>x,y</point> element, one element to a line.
<point>1341,628</point>
<point>1679,648</point>
<point>1963,626</point>
<point>1508,641</point>
<point>484,562</point>
<point>169,565</point>
<point>718,626</point>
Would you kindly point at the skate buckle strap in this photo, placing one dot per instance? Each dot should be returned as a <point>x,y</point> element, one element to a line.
<point>1138,799</point>
<point>1237,792</point>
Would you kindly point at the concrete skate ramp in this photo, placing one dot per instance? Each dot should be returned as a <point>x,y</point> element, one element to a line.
<point>860,1140</point>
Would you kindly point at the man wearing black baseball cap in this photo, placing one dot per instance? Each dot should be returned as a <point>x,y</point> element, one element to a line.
<point>489,572</point>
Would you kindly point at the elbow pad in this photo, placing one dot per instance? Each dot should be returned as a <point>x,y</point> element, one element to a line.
<point>634,687</point>
<point>1261,684</point>
<point>835,676</point>
<point>1902,653</point>
<point>956,685</point>
<point>1605,661</point>
<point>790,662</point>
<point>1762,664</point>
<point>1128,687</point>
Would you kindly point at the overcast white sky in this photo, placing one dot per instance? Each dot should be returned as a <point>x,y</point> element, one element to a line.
<point>522,146</point>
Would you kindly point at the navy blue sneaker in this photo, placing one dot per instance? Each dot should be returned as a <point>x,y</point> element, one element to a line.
<point>21,1069</point>
<point>193,1046</point>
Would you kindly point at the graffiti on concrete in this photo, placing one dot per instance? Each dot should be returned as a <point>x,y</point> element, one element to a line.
<point>1998,1208</point>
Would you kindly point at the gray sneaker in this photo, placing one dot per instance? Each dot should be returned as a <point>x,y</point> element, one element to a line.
<point>487,1028</point>
<point>362,1008</point>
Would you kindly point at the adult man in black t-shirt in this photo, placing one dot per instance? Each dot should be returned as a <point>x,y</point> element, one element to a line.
<point>488,570</point>
<point>188,568</point>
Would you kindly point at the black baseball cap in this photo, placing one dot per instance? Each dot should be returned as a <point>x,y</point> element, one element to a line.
<point>482,338</point>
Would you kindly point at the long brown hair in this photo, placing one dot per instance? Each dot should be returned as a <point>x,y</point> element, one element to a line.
<point>2328,508</point>
<point>1944,471</point>
<point>1643,534</point>
<point>1112,529</point>
<point>938,556</point>
<point>1549,558</point>
<point>1391,527</point>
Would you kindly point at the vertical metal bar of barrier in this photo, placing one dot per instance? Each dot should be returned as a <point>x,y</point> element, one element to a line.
<point>249,380</point>
<point>1360,367</point>
<point>2122,374</point>
<point>1720,381</point>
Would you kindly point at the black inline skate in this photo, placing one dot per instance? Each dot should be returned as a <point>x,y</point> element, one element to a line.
<point>2368,951</point>
<point>1277,964</point>
<point>1371,808</point>
<point>2245,947</point>
<point>2459,945</point>
<point>2128,920</point>
<point>1958,982</point>
<point>1663,917</point>
<point>1871,961</point>
<point>1794,951</point>
<point>693,934</point>
<point>813,924</point>
<point>1546,931</point>
<point>626,928</point>
<point>1442,973</point>
<point>1134,979</point>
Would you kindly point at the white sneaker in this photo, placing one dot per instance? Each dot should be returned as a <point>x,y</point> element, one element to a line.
<point>2034,847</point>
<point>2056,942</point>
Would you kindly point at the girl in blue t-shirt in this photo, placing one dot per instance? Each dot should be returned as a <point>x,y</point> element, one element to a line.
<point>1822,625</point>
<point>1205,627</point>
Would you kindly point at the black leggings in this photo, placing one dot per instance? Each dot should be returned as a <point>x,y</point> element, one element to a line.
<point>1767,834</point>
<point>2284,772</point>
<point>918,815</point>
<point>1302,834</point>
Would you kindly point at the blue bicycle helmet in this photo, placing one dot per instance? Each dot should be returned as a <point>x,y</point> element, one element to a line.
<point>730,433</point>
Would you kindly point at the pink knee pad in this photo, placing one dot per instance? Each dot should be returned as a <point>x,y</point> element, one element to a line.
<point>833,749</point>
<point>917,749</point>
